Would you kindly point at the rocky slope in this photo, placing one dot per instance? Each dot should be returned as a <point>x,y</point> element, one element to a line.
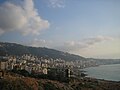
<point>12,81</point>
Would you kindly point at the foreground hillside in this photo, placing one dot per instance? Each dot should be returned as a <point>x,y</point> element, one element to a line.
<point>17,49</point>
<point>16,82</point>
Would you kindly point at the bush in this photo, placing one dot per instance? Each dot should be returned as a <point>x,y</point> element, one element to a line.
<point>50,86</point>
<point>13,85</point>
<point>21,72</point>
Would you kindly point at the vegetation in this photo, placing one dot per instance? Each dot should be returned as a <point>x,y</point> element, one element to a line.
<point>50,76</point>
<point>12,81</point>
<point>17,49</point>
<point>17,84</point>
<point>21,72</point>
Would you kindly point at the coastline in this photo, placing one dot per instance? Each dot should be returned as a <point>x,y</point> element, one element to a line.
<point>103,72</point>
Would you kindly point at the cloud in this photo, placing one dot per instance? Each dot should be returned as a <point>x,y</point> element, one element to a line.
<point>21,16</point>
<point>56,3</point>
<point>73,46</point>
<point>98,39</point>
<point>70,46</point>
<point>40,43</point>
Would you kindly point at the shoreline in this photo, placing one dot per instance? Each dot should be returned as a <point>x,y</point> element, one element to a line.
<point>102,77</point>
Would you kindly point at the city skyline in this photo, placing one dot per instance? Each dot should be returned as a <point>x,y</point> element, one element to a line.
<point>82,27</point>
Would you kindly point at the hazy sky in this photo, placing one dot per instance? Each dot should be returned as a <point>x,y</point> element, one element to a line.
<point>90,28</point>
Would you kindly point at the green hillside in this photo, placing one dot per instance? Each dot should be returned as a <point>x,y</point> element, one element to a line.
<point>17,49</point>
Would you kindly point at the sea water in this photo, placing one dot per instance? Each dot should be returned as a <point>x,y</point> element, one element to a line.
<point>107,72</point>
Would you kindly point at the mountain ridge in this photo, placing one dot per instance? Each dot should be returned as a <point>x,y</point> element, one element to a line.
<point>18,50</point>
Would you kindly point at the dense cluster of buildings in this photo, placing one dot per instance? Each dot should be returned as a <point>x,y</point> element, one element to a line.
<point>41,65</point>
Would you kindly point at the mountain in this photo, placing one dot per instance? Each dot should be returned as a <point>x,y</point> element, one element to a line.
<point>19,50</point>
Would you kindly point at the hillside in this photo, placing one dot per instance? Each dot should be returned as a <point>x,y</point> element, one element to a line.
<point>12,81</point>
<point>17,49</point>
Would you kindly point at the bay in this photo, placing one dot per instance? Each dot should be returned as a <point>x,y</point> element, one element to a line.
<point>107,72</point>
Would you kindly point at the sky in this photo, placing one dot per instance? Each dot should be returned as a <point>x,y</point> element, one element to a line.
<point>90,28</point>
